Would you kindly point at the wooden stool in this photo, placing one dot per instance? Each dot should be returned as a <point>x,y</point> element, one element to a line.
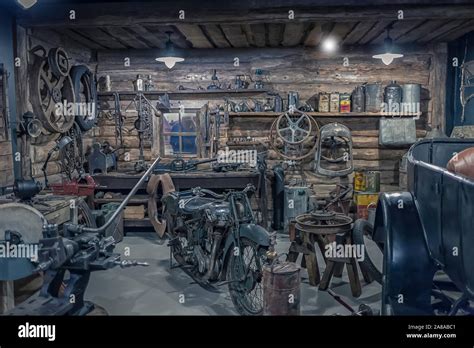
<point>334,264</point>
<point>304,243</point>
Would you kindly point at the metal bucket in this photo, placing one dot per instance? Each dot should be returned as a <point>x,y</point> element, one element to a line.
<point>373,97</point>
<point>281,289</point>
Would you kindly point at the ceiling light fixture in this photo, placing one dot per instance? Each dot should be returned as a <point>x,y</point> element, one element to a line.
<point>388,57</point>
<point>170,58</point>
<point>26,4</point>
<point>329,45</point>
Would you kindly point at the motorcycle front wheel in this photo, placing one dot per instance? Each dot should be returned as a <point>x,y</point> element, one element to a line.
<point>244,272</point>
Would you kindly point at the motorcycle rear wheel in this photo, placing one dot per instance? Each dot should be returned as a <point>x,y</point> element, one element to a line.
<point>246,286</point>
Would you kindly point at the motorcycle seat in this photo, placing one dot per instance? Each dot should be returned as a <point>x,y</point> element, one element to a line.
<point>197,203</point>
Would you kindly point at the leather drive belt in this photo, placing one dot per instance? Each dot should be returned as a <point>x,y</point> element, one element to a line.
<point>157,182</point>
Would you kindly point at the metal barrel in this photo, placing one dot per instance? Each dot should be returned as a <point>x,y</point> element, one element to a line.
<point>372,179</point>
<point>411,97</point>
<point>373,97</point>
<point>281,289</point>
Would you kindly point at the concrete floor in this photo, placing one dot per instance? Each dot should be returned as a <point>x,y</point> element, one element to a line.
<point>159,290</point>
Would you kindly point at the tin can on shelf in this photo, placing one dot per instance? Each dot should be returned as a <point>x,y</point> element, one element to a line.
<point>372,181</point>
<point>323,102</point>
<point>363,201</point>
<point>359,181</point>
<point>334,102</point>
<point>358,99</point>
<point>345,102</point>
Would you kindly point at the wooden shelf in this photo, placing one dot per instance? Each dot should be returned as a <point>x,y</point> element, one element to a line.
<point>185,94</point>
<point>320,114</point>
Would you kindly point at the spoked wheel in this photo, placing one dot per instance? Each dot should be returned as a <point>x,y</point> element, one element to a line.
<point>244,272</point>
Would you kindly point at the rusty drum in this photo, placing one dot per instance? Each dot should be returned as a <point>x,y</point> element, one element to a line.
<point>281,289</point>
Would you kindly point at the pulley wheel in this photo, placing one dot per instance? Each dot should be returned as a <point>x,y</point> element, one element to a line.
<point>48,96</point>
<point>59,62</point>
<point>294,128</point>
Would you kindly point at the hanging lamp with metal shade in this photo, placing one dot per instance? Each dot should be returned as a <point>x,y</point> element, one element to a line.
<point>388,57</point>
<point>169,56</point>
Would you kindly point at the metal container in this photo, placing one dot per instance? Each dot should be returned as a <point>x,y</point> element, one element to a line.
<point>278,103</point>
<point>323,102</point>
<point>105,83</point>
<point>293,100</point>
<point>411,97</point>
<point>393,97</point>
<point>345,102</point>
<point>373,97</point>
<point>296,202</point>
<point>334,102</point>
<point>281,289</point>
<point>358,99</point>
<point>138,84</point>
<point>371,209</point>
<point>372,181</point>
<point>359,181</point>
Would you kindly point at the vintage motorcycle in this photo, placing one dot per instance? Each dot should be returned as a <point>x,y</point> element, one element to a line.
<point>215,239</point>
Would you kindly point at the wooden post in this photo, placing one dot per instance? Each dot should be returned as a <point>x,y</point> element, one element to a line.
<point>438,86</point>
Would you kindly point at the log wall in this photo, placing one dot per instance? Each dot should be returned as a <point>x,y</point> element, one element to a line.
<point>304,70</point>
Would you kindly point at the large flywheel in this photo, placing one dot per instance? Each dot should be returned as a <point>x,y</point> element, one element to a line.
<point>51,91</point>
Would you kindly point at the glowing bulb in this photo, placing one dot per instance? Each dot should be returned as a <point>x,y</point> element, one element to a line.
<point>329,45</point>
<point>387,58</point>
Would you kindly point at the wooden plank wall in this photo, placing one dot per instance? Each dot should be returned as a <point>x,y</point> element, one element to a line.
<point>304,70</point>
<point>35,149</point>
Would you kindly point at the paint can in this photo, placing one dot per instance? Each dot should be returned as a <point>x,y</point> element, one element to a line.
<point>373,97</point>
<point>323,102</point>
<point>372,181</point>
<point>334,102</point>
<point>358,99</point>
<point>359,181</point>
<point>345,102</point>
<point>281,289</point>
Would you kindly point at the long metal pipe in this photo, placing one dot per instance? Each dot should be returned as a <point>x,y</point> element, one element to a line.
<point>79,228</point>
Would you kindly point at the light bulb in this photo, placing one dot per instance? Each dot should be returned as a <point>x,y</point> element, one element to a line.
<point>329,44</point>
